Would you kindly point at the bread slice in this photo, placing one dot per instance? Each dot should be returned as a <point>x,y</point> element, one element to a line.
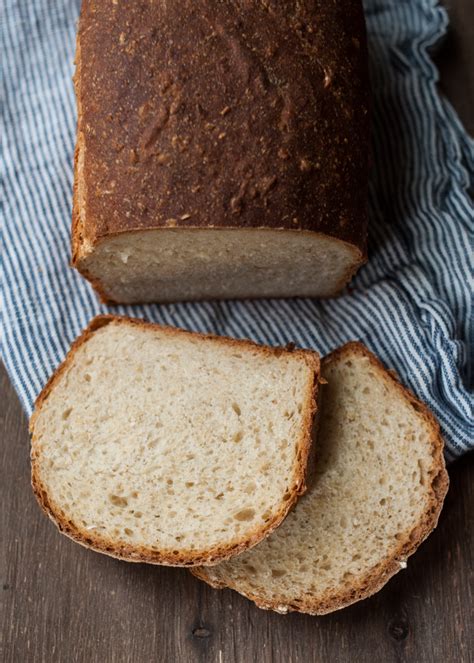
<point>379,485</point>
<point>153,444</point>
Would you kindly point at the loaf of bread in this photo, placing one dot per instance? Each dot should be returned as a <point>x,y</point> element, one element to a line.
<point>222,148</point>
<point>158,445</point>
<point>379,485</point>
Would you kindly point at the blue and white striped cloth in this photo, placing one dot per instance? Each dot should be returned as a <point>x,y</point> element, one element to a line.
<point>411,304</point>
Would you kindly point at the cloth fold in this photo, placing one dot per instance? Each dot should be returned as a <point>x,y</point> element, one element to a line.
<point>411,304</point>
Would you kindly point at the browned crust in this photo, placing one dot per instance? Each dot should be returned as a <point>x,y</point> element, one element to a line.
<point>76,229</point>
<point>379,575</point>
<point>78,254</point>
<point>132,553</point>
<point>305,73</point>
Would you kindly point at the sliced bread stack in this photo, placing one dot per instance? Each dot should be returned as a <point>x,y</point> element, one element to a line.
<point>158,445</point>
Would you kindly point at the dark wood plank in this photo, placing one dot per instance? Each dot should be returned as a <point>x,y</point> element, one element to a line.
<point>61,603</point>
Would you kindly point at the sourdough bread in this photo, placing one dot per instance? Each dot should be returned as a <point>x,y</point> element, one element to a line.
<point>158,445</point>
<point>222,150</point>
<point>379,485</point>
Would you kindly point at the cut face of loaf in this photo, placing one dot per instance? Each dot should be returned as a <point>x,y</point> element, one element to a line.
<point>193,264</point>
<point>379,485</point>
<point>159,445</point>
<point>220,153</point>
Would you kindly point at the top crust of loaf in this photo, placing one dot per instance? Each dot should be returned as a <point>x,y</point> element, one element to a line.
<point>191,557</point>
<point>258,119</point>
<point>409,540</point>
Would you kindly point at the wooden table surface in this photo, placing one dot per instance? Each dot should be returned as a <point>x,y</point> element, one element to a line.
<point>62,603</point>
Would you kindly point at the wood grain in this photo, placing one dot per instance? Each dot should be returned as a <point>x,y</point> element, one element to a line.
<point>61,603</point>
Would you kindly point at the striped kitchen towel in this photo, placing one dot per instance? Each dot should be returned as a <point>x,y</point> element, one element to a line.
<point>411,303</point>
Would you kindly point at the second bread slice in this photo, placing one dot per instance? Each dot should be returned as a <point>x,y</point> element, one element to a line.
<point>158,445</point>
<point>378,489</point>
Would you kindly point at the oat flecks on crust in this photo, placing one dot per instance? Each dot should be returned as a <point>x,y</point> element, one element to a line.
<point>260,39</point>
<point>166,557</point>
<point>380,574</point>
